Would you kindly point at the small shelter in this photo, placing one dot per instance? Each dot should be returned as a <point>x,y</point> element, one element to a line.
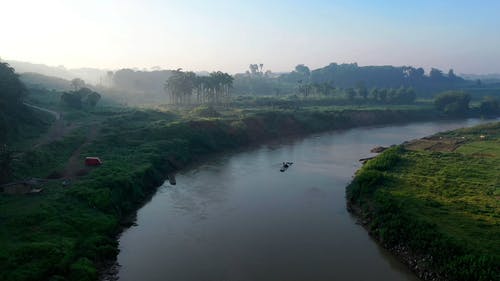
<point>92,161</point>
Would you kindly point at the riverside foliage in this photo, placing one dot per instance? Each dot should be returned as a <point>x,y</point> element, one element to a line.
<point>442,204</point>
<point>69,232</point>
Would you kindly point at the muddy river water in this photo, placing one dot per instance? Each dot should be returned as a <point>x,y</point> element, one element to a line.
<point>236,217</point>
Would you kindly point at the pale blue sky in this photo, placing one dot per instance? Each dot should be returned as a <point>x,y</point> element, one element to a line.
<point>229,35</point>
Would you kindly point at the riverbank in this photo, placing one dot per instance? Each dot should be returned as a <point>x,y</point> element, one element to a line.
<point>67,233</point>
<point>434,203</point>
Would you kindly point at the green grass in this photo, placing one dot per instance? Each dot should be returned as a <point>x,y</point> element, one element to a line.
<point>443,204</point>
<point>41,161</point>
<point>45,235</point>
<point>25,127</point>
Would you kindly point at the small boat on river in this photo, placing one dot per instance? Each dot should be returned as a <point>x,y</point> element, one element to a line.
<point>285,166</point>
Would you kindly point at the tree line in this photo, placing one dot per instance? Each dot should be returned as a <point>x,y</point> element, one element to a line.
<point>259,82</point>
<point>186,88</point>
<point>349,75</point>
<point>456,103</point>
<point>401,95</point>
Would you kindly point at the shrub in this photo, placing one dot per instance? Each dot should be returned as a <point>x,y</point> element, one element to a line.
<point>205,111</point>
<point>452,103</point>
<point>489,107</point>
<point>83,270</point>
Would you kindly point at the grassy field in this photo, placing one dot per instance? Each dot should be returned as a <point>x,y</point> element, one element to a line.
<point>441,197</point>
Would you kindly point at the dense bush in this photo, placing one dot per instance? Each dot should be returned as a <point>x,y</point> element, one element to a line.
<point>386,160</point>
<point>77,99</point>
<point>489,106</point>
<point>83,270</point>
<point>205,111</point>
<point>452,103</point>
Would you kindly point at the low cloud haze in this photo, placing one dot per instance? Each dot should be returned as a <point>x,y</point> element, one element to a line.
<point>228,35</point>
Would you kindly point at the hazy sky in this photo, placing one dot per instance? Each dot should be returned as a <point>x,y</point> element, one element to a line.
<point>229,35</point>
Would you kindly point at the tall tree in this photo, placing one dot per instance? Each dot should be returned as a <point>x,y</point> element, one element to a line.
<point>361,89</point>
<point>436,74</point>
<point>213,89</point>
<point>254,69</point>
<point>77,84</point>
<point>302,69</point>
<point>12,90</point>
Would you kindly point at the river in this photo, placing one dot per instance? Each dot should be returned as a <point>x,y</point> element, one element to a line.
<point>236,217</point>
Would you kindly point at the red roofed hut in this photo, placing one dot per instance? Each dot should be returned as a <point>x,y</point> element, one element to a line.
<point>92,161</point>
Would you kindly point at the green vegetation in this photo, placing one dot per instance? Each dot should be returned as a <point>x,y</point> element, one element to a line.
<point>335,80</point>
<point>213,89</point>
<point>18,124</point>
<point>453,103</point>
<point>80,98</point>
<point>348,98</point>
<point>489,106</point>
<point>440,197</point>
<point>345,77</point>
<point>68,231</point>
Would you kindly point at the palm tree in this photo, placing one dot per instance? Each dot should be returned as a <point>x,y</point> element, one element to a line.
<point>213,89</point>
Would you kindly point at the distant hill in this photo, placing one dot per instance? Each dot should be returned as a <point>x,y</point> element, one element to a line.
<point>90,75</point>
<point>36,80</point>
<point>485,78</point>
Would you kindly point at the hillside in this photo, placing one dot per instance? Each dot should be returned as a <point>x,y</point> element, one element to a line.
<point>37,80</point>
<point>92,75</point>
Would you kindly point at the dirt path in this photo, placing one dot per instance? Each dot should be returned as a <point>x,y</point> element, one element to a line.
<point>57,131</point>
<point>75,166</point>
<point>56,115</point>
